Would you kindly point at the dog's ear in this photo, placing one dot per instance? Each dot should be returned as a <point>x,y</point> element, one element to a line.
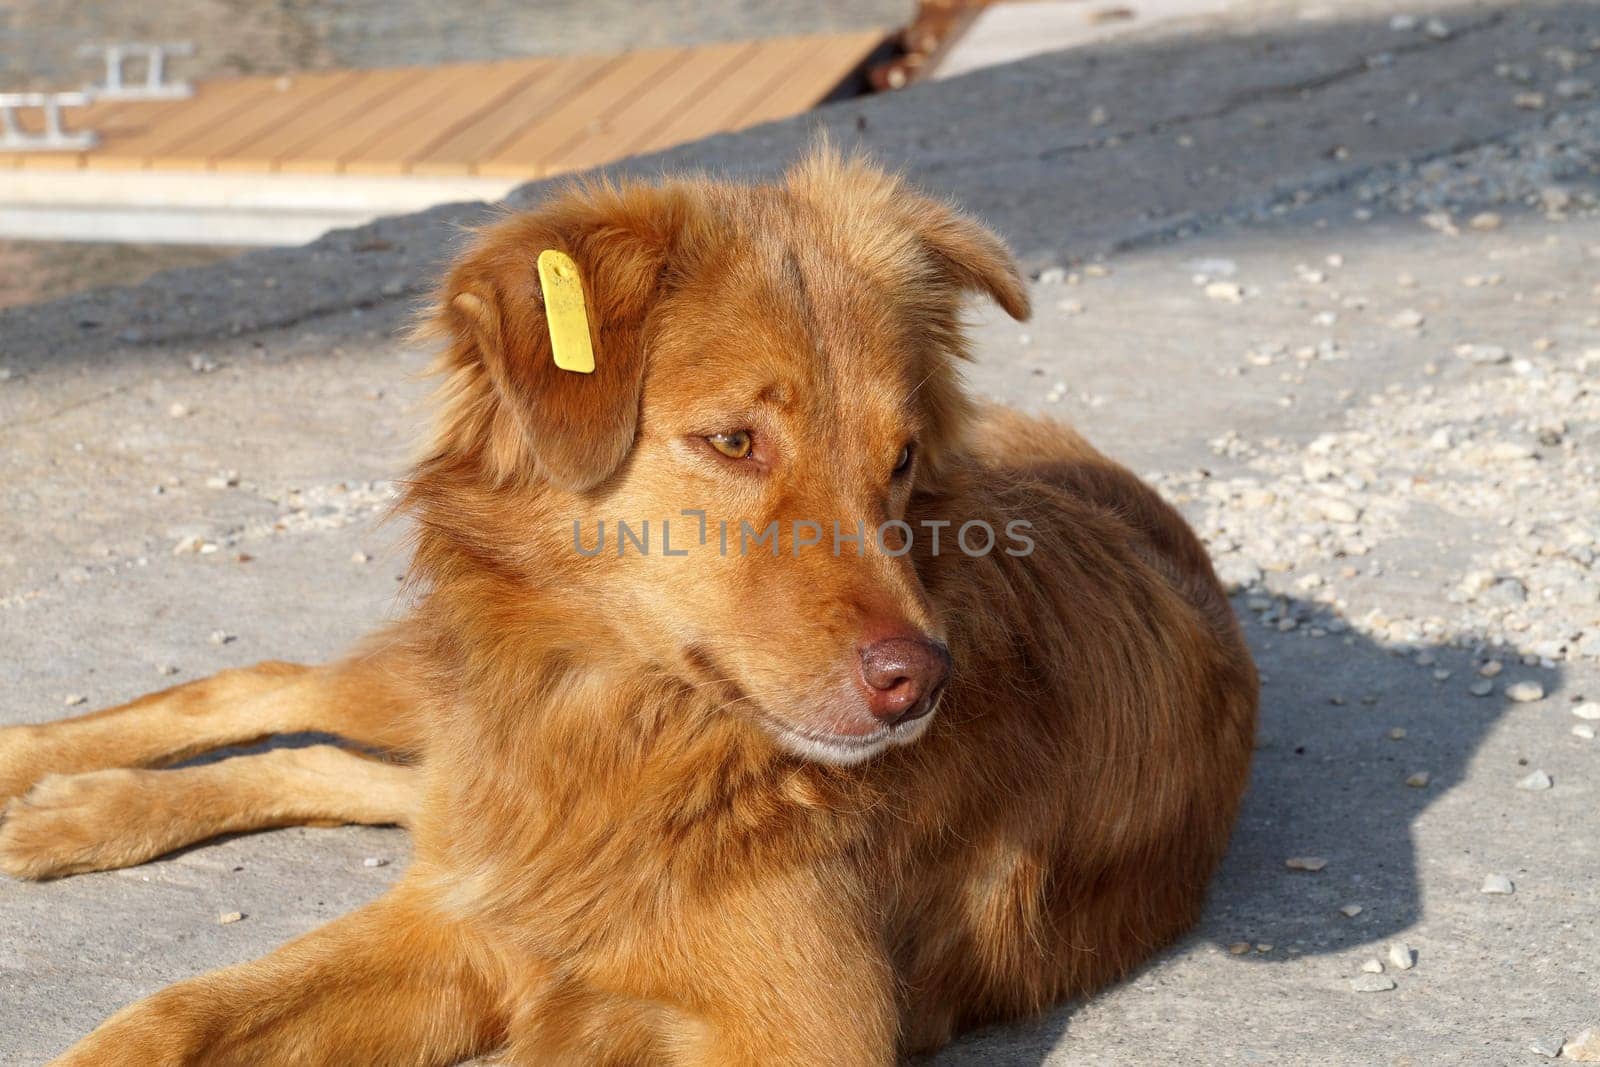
<point>965,253</point>
<point>506,399</point>
<point>970,255</point>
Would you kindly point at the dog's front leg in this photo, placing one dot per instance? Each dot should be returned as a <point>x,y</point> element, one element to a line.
<point>794,972</point>
<point>395,983</point>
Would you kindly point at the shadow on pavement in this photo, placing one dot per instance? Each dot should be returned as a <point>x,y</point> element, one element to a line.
<point>1344,723</point>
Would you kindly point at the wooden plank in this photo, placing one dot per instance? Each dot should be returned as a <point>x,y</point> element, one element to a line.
<point>96,116</point>
<point>557,82</point>
<point>293,96</point>
<point>488,85</point>
<point>632,124</point>
<point>736,95</point>
<point>824,71</point>
<point>514,118</point>
<point>327,152</point>
<point>328,123</point>
<point>528,153</point>
<point>169,124</point>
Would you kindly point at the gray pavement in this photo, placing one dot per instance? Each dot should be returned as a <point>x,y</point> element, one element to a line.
<point>1327,276</point>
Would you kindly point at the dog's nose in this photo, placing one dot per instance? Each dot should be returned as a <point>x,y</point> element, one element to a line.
<point>903,676</point>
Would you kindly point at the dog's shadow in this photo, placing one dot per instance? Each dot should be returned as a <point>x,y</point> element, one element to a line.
<point>1345,722</point>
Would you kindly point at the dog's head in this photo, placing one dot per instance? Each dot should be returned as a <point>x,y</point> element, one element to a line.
<point>779,359</point>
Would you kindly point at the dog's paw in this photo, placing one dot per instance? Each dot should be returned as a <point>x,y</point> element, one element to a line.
<point>73,823</point>
<point>168,1029</point>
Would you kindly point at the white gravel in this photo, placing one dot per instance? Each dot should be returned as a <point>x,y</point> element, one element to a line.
<point>1498,885</point>
<point>1525,692</point>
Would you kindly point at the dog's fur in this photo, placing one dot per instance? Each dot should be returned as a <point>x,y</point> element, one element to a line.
<point>649,824</point>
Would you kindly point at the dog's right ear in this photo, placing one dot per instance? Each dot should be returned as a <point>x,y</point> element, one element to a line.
<point>505,400</point>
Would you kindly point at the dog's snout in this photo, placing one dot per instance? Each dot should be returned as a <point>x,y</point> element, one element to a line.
<point>903,677</point>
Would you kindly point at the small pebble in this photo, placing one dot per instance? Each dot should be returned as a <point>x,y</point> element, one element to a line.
<point>221,637</point>
<point>1498,885</point>
<point>1491,669</point>
<point>1372,983</point>
<point>1583,730</point>
<point>360,557</point>
<point>374,861</point>
<point>72,700</point>
<point>1418,780</point>
<point>1537,782</point>
<point>1227,292</point>
<point>167,669</point>
<point>1588,710</point>
<point>1305,863</point>
<point>1484,355</point>
<point>1239,948</point>
<point>228,917</point>
<point>1401,956</point>
<point>1397,733</point>
<point>1481,688</point>
<point>1486,220</point>
<point>1548,1047</point>
<point>1350,911</point>
<point>1408,319</point>
<point>1335,509</point>
<point>1372,967</point>
<point>1525,692</point>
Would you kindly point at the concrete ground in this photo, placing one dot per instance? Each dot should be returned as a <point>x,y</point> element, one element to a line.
<point>1327,275</point>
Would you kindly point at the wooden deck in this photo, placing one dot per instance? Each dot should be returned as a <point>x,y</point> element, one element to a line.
<point>525,118</point>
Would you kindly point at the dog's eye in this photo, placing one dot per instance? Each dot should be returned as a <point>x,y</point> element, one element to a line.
<point>734,445</point>
<point>903,464</point>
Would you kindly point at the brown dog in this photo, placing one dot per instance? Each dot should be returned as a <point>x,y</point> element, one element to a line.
<point>819,792</point>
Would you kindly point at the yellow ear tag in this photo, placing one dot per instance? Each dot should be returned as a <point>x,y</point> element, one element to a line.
<point>565,311</point>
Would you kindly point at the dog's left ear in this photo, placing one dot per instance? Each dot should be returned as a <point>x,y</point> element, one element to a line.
<point>965,253</point>
<point>971,255</point>
<point>507,401</point>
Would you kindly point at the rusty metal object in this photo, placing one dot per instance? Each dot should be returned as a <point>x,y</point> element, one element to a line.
<point>917,48</point>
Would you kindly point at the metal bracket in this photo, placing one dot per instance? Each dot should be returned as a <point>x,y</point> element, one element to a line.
<point>154,86</point>
<point>13,138</point>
